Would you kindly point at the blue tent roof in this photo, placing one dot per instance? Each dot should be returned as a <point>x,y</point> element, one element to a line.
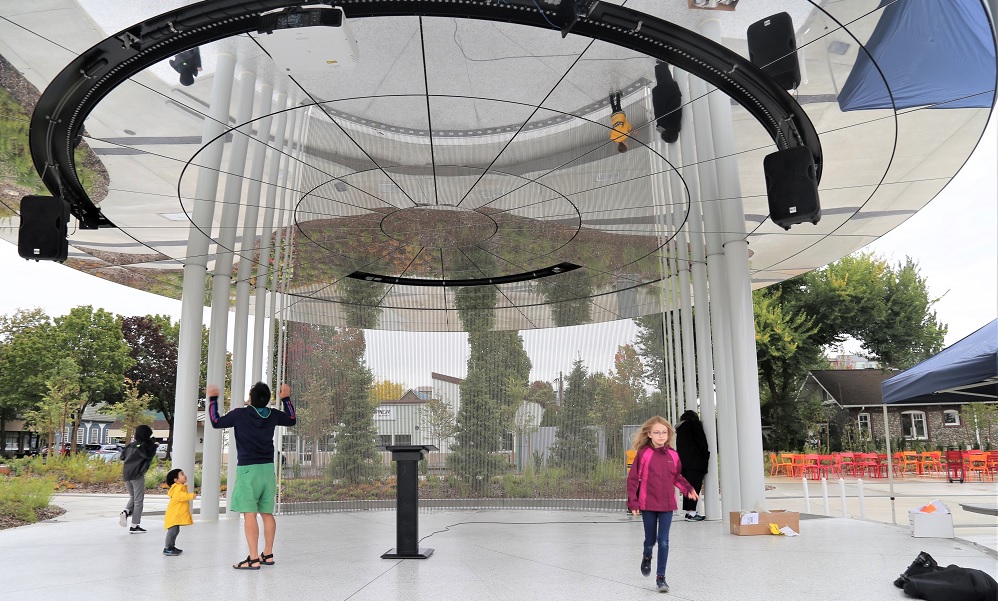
<point>967,371</point>
<point>929,52</point>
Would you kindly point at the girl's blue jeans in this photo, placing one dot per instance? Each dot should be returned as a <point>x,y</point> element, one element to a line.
<point>657,524</point>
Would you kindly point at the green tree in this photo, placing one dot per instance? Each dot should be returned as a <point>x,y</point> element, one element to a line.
<point>475,453</point>
<point>28,351</point>
<point>568,296</point>
<point>93,339</point>
<point>574,447</point>
<point>981,419</point>
<point>51,413</point>
<point>887,309</point>
<point>651,348</point>
<point>438,419</point>
<point>132,410</point>
<point>356,458</point>
<point>618,396</point>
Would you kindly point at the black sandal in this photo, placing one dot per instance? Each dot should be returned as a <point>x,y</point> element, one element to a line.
<point>248,564</point>
<point>266,560</point>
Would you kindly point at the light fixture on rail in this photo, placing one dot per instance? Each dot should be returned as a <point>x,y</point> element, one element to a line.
<point>309,40</point>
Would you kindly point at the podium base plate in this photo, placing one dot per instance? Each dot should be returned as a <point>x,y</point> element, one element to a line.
<point>421,553</point>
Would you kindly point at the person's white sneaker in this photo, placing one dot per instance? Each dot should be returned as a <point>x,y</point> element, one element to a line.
<point>123,518</point>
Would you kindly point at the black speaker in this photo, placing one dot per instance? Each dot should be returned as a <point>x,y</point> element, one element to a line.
<point>42,234</point>
<point>773,48</point>
<point>792,187</point>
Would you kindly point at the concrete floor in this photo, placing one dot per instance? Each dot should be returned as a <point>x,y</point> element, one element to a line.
<point>510,555</point>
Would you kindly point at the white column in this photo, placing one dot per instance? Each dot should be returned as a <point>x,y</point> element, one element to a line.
<point>698,268</point>
<point>267,229</point>
<point>727,427</point>
<point>247,246</point>
<point>681,244</point>
<point>270,370</point>
<point>660,198</point>
<point>745,366</point>
<point>196,267</point>
<point>220,284</point>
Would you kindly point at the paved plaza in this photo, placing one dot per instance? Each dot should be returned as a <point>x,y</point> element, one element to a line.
<point>513,555</point>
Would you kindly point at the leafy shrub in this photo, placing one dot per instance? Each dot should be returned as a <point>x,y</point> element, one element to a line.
<point>21,497</point>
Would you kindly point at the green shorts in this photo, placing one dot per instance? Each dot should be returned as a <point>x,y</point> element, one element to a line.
<point>256,486</point>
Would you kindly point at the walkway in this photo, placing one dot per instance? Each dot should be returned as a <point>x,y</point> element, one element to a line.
<point>486,554</point>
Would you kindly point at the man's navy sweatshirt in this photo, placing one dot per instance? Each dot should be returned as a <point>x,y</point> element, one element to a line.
<point>253,428</point>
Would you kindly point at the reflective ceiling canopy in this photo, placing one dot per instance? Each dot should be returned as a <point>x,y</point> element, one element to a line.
<point>443,167</point>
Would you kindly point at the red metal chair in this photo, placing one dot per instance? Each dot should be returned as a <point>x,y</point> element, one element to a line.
<point>846,464</point>
<point>867,464</point>
<point>954,466</point>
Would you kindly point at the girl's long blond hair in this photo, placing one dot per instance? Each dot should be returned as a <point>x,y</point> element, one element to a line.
<point>642,438</point>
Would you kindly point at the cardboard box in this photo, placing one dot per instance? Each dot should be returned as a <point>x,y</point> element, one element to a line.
<point>930,525</point>
<point>777,516</point>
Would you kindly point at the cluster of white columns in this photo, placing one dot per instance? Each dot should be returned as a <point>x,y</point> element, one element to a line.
<point>272,136</point>
<point>705,266</point>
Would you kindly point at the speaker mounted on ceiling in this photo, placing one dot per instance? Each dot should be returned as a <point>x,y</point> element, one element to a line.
<point>792,187</point>
<point>42,233</point>
<point>772,47</point>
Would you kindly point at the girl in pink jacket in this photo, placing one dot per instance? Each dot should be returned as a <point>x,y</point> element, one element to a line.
<point>654,473</point>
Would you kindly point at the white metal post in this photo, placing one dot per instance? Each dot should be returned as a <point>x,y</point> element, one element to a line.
<point>745,365</point>
<point>196,267</point>
<point>727,427</point>
<point>220,284</point>
<point>698,267</point>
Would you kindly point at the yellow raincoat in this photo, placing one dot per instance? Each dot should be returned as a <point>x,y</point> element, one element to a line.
<point>178,512</point>
<point>620,127</point>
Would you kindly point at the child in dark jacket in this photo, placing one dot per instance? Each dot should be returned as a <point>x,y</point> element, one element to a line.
<point>136,458</point>
<point>655,472</point>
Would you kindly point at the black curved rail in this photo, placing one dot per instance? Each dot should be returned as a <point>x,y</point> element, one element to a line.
<point>64,106</point>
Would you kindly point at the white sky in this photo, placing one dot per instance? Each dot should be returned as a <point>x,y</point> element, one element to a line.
<point>954,239</point>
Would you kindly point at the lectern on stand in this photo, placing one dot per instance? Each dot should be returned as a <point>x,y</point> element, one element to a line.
<point>406,458</point>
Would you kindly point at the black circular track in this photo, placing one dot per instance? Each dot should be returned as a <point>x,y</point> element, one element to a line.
<point>73,94</point>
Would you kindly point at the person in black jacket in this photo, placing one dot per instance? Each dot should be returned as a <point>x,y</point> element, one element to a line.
<point>667,101</point>
<point>136,459</point>
<point>691,444</point>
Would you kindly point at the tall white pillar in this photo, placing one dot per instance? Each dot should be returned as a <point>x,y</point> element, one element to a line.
<point>220,284</point>
<point>196,267</point>
<point>745,363</point>
<point>698,269</point>
<point>267,230</point>
<point>280,212</point>
<point>727,427</point>
<point>681,244</point>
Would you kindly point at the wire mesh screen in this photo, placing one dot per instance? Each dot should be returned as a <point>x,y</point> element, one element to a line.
<point>538,419</point>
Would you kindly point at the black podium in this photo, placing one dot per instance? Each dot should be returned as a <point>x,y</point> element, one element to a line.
<point>406,458</point>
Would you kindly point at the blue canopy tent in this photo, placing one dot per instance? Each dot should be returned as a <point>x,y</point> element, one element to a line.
<point>965,372</point>
<point>938,53</point>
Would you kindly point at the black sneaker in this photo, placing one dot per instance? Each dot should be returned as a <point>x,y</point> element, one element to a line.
<point>172,552</point>
<point>663,586</point>
<point>136,530</point>
<point>646,565</point>
<point>123,518</point>
<point>696,517</point>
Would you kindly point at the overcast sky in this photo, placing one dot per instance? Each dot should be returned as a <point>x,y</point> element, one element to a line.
<point>954,239</point>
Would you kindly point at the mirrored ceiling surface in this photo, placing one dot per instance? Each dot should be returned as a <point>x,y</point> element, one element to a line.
<point>417,169</point>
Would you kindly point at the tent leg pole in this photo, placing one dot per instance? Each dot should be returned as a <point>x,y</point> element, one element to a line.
<point>890,464</point>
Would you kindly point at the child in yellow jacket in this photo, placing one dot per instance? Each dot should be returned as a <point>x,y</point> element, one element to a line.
<point>178,512</point>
